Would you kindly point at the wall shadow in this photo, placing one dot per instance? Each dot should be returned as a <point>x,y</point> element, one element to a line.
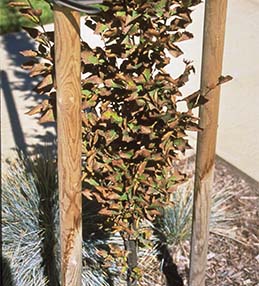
<point>13,114</point>
<point>14,43</point>
<point>15,80</point>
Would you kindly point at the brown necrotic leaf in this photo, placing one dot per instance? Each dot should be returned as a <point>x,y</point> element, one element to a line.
<point>18,4</point>
<point>45,85</point>
<point>174,50</point>
<point>39,69</point>
<point>33,32</point>
<point>195,99</point>
<point>224,79</point>
<point>29,53</point>
<point>48,116</point>
<point>39,108</point>
<point>29,65</point>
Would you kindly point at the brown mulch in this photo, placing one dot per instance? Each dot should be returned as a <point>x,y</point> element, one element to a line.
<point>232,261</point>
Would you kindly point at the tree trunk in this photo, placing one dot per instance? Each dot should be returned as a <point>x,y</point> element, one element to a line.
<point>131,247</point>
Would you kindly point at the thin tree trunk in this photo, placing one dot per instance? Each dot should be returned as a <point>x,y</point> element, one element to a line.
<point>131,247</point>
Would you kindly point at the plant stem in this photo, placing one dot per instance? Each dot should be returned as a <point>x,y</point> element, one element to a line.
<point>132,260</point>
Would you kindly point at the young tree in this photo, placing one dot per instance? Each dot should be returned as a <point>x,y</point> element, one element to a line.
<point>133,128</point>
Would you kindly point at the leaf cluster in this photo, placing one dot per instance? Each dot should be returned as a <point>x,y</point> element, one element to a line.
<point>133,130</point>
<point>41,61</point>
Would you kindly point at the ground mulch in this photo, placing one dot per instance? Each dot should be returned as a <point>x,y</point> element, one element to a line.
<point>235,263</point>
<point>232,261</point>
<point>233,258</point>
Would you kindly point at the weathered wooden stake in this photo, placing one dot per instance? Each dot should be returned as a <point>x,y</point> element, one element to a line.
<point>67,63</point>
<point>213,46</point>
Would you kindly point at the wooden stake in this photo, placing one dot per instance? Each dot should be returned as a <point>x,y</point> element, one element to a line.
<point>67,64</point>
<point>213,46</point>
